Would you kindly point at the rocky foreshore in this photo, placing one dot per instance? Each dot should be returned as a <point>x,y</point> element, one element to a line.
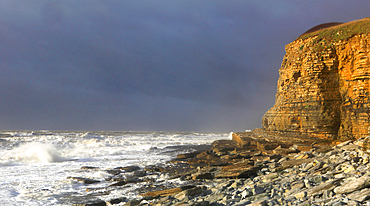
<point>254,168</point>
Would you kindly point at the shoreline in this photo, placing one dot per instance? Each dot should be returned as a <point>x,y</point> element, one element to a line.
<point>258,168</point>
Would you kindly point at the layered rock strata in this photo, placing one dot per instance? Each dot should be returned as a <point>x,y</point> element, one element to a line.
<point>324,85</point>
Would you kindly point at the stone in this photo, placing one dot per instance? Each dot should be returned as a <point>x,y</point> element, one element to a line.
<point>353,185</point>
<point>167,192</point>
<point>300,195</point>
<point>132,202</point>
<point>202,176</point>
<point>241,170</point>
<point>291,163</point>
<point>128,168</point>
<point>188,155</point>
<point>96,203</point>
<point>243,139</point>
<point>221,147</point>
<point>348,169</point>
<point>116,200</point>
<point>323,87</point>
<point>302,147</point>
<point>323,186</point>
<point>297,185</point>
<point>89,168</point>
<point>257,190</point>
<point>265,145</point>
<point>344,143</point>
<point>259,203</point>
<point>84,180</point>
<point>350,147</point>
<point>117,184</point>
<point>246,193</point>
<point>360,196</point>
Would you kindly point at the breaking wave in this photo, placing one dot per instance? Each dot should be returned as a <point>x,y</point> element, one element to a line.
<point>37,152</point>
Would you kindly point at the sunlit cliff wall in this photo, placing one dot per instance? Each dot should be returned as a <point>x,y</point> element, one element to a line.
<point>324,85</point>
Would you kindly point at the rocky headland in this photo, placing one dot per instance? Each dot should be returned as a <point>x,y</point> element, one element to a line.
<point>313,148</point>
<point>324,85</point>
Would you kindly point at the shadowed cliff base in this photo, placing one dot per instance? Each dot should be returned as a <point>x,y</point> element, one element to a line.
<point>324,84</point>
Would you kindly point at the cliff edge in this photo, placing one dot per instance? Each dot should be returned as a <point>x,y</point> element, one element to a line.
<point>324,84</point>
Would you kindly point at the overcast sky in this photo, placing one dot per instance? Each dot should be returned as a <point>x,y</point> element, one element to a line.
<point>168,65</point>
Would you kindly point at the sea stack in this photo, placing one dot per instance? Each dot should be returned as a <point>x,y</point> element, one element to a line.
<point>324,84</point>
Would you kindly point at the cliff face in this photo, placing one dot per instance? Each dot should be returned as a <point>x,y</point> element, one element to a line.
<point>324,85</point>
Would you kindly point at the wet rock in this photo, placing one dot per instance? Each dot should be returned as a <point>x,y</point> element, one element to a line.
<point>140,173</point>
<point>117,184</point>
<point>89,168</point>
<point>128,168</point>
<point>202,176</point>
<point>113,172</point>
<point>84,180</point>
<point>132,202</point>
<point>116,200</point>
<point>95,203</point>
<point>188,155</point>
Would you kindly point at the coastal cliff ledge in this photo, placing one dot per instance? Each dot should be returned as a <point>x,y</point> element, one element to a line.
<point>324,84</point>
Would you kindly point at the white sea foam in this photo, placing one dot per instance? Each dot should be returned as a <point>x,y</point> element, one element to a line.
<point>231,135</point>
<point>34,166</point>
<point>38,152</point>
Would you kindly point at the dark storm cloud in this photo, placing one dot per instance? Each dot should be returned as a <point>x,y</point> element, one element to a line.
<point>148,65</point>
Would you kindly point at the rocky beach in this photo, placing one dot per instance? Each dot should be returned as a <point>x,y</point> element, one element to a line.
<point>254,168</point>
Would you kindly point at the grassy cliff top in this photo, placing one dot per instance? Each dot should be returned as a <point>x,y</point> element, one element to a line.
<point>335,31</point>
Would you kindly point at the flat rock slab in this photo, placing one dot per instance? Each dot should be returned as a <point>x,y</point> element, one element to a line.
<point>351,147</point>
<point>167,192</point>
<point>323,186</point>
<point>242,170</point>
<point>353,185</point>
<point>360,196</point>
<point>303,147</point>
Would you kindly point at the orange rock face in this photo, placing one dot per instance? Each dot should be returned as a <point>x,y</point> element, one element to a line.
<point>323,89</point>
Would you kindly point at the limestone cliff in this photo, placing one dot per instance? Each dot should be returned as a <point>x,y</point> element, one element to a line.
<point>324,84</point>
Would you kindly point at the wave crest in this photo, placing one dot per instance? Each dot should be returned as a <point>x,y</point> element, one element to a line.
<point>38,152</point>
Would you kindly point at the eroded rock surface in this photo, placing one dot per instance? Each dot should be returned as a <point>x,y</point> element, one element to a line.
<point>324,85</point>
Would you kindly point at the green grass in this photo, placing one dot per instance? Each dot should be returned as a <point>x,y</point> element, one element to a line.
<point>340,32</point>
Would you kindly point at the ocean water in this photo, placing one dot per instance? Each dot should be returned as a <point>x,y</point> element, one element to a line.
<point>34,165</point>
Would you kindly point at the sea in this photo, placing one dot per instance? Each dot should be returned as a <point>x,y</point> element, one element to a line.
<point>34,165</point>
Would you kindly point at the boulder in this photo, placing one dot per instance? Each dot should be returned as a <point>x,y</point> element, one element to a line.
<point>353,185</point>
<point>221,147</point>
